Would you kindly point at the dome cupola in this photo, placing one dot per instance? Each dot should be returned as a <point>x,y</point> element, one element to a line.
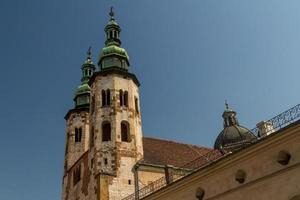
<point>113,56</point>
<point>82,93</point>
<point>234,136</point>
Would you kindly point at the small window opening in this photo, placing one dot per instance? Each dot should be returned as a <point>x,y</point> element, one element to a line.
<point>106,132</point>
<point>121,97</point>
<point>93,104</point>
<point>129,182</point>
<point>108,97</point>
<point>103,94</point>
<point>92,163</point>
<point>124,132</point>
<point>136,103</point>
<point>126,98</point>
<point>200,193</point>
<point>240,176</point>
<point>283,157</point>
<point>92,135</point>
<point>78,134</point>
<point>105,161</point>
<point>110,34</point>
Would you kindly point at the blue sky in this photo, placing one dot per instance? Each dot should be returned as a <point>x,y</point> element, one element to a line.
<point>188,55</point>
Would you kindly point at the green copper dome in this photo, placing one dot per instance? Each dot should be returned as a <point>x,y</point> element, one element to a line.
<point>82,92</point>
<point>114,50</point>
<point>82,89</point>
<point>113,55</point>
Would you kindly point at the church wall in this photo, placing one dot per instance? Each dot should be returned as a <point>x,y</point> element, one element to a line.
<point>75,150</point>
<point>116,158</point>
<point>265,177</point>
<point>147,177</point>
<point>86,187</point>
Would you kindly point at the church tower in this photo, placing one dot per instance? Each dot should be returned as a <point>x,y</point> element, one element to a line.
<point>104,130</point>
<point>116,131</point>
<point>78,119</point>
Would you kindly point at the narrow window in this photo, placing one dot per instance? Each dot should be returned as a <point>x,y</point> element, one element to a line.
<point>124,132</point>
<point>136,103</point>
<point>129,182</point>
<point>92,163</point>
<point>92,135</point>
<point>78,134</point>
<point>110,34</point>
<point>105,161</point>
<point>106,132</point>
<point>121,97</point>
<point>93,104</point>
<point>108,97</point>
<point>103,94</point>
<point>126,98</point>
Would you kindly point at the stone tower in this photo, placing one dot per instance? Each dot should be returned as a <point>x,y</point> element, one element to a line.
<point>104,131</point>
<point>78,119</point>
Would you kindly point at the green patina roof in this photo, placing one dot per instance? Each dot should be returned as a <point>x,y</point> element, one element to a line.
<point>113,49</point>
<point>83,88</point>
<point>112,22</point>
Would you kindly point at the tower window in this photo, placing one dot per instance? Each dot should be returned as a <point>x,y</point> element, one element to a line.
<point>136,103</point>
<point>76,175</point>
<point>106,132</point>
<point>103,94</point>
<point>126,98</point>
<point>124,131</point>
<point>93,104</point>
<point>92,135</point>
<point>110,34</point>
<point>78,134</point>
<point>107,97</point>
<point>129,182</point>
<point>121,97</point>
<point>105,161</point>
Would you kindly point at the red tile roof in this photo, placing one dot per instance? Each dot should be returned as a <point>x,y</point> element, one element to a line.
<point>164,152</point>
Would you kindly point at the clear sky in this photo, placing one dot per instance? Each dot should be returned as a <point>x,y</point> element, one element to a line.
<point>188,55</point>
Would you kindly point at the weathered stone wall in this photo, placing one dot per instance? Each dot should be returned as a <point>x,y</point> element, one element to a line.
<point>265,177</point>
<point>86,188</point>
<point>116,158</point>
<point>74,150</point>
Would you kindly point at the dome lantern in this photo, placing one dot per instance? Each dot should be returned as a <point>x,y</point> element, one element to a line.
<point>234,136</point>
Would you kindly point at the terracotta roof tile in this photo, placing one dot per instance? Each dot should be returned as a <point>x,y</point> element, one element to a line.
<point>164,152</point>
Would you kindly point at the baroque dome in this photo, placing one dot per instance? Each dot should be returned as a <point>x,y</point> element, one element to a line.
<point>234,136</point>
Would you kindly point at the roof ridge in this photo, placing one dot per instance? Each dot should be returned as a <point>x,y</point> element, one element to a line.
<point>181,143</point>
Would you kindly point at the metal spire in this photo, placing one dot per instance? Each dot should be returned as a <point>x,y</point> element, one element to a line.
<point>111,13</point>
<point>226,105</point>
<point>89,53</point>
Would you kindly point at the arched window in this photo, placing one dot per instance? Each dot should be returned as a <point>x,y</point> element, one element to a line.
<point>92,135</point>
<point>126,98</point>
<point>107,97</point>
<point>78,134</point>
<point>103,95</point>
<point>110,34</point>
<point>136,103</point>
<point>125,131</point>
<point>106,131</point>
<point>121,97</point>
